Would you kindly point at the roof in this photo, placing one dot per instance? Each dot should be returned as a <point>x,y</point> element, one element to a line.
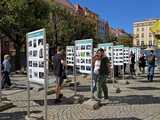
<point>65,3</point>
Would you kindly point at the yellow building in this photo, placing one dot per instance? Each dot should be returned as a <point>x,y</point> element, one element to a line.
<point>142,36</point>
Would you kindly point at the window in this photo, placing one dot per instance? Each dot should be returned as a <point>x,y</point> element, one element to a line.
<point>137,42</point>
<point>142,29</point>
<point>137,36</point>
<point>150,43</point>
<point>137,29</point>
<point>150,34</point>
<point>142,35</point>
<point>142,43</point>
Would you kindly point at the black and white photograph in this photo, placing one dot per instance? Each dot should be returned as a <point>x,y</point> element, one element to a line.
<point>30,63</point>
<point>88,61</point>
<point>82,67</point>
<point>82,47</point>
<point>41,75</point>
<point>35,53</point>
<point>40,42</point>
<point>30,73</point>
<point>83,61</point>
<point>82,54</point>
<point>34,43</point>
<point>41,64</point>
<point>41,53</point>
<point>30,53</point>
<point>88,54</point>
<point>35,74</point>
<point>35,64</point>
<point>88,68</point>
<point>30,43</point>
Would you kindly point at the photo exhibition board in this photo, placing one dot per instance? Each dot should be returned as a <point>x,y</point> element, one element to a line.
<point>118,54</point>
<point>83,58</point>
<point>36,46</point>
<point>126,55</point>
<point>70,55</point>
<point>108,47</point>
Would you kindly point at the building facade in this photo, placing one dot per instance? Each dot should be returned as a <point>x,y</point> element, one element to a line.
<point>142,35</point>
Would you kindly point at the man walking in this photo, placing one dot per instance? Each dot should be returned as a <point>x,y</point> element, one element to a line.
<point>151,65</point>
<point>103,72</point>
<point>59,72</point>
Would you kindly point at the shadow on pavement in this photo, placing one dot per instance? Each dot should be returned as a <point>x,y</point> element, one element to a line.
<point>15,115</point>
<point>135,99</point>
<point>84,88</point>
<point>146,81</point>
<point>144,88</point>
<point>127,118</point>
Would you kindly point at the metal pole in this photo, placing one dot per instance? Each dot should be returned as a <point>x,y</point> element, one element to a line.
<point>46,79</point>
<point>28,83</point>
<point>0,76</point>
<point>113,79</point>
<point>92,94</point>
<point>74,72</point>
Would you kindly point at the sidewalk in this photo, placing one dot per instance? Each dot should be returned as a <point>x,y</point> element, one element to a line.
<point>140,100</point>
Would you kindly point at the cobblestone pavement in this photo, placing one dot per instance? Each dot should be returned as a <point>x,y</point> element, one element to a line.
<point>139,100</point>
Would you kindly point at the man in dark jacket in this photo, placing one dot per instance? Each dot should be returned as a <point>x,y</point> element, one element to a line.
<point>58,63</point>
<point>103,72</point>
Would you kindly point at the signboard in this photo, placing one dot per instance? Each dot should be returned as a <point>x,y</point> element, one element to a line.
<point>36,51</point>
<point>126,55</point>
<point>70,55</point>
<point>83,58</point>
<point>118,54</point>
<point>108,47</point>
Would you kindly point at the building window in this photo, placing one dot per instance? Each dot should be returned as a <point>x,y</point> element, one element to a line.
<point>142,35</point>
<point>137,29</point>
<point>150,43</point>
<point>142,43</point>
<point>137,35</point>
<point>150,34</point>
<point>137,42</point>
<point>142,29</point>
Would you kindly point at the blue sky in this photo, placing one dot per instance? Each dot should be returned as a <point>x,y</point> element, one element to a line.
<point>122,13</point>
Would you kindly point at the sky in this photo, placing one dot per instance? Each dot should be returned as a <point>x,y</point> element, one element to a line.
<point>122,13</point>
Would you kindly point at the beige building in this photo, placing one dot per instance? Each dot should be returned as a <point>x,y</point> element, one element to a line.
<point>142,36</point>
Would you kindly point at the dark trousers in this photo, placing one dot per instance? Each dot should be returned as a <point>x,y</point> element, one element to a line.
<point>6,79</point>
<point>132,70</point>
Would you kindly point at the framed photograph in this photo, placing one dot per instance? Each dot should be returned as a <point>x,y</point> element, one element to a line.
<point>35,64</point>
<point>30,43</point>
<point>41,64</point>
<point>34,43</point>
<point>82,54</point>
<point>82,67</point>
<point>82,47</point>
<point>30,73</point>
<point>30,63</point>
<point>35,74</point>
<point>30,53</point>
<point>34,53</point>
<point>88,68</point>
<point>41,75</point>
<point>40,42</point>
<point>41,53</point>
<point>83,61</point>
<point>88,47</point>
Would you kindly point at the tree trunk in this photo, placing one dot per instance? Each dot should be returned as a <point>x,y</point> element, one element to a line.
<point>18,57</point>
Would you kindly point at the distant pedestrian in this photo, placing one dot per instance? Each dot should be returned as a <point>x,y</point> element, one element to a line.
<point>151,58</point>
<point>103,73</point>
<point>142,63</point>
<point>96,67</point>
<point>6,81</point>
<point>132,64</point>
<point>59,72</point>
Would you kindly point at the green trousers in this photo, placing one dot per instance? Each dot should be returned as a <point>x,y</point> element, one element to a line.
<point>102,87</point>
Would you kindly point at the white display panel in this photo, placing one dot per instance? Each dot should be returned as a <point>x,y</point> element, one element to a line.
<point>108,47</point>
<point>118,54</point>
<point>135,51</point>
<point>126,55</point>
<point>70,55</point>
<point>83,58</point>
<point>36,56</point>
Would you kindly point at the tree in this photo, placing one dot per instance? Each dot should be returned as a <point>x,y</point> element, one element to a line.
<point>19,17</point>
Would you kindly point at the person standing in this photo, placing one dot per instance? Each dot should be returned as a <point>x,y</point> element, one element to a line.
<point>59,72</point>
<point>151,58</point>
<point>132,63</point>
<point>103,73</point>
<point>6,81</point>
<point>96,67</point>
<point>142,63</point>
